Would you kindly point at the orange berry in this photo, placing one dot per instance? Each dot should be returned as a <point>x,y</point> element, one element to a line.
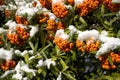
<point>113,66</point>
<point>51,25</point>
<point>71,2</point>
<point>43,18</point>
<point>110,6</point>
<point>60,25</point>
<point>60,10</point>
<point>64,45</point>
<point>21,20</point>
<point>4,68</point>
<point>88,5</point>
<point>118,60</point>
<point>46,3</point>
<point>1,40</point>
<point>34,4</point>
<point>107,67</point>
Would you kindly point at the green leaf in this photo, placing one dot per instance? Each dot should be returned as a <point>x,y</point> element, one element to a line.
<point>38,57</point>
<point>54,70</point>
<point>118,34</point>
<point>26,57</point>
<point>31,45</point>
<point>40,70</point>
<point>44,73</point>
<point>83,21</point>
<point>43,39</point>
<point>36,46</point>
<point>69,76</point>
<point>29,75</point>
<point>105,26</point>
<point>102,9</point>
<point>46,47</point>
<point>57,50</point>
<point>64,66</point>
<point>109,14</point>
<point>110,60</point>
<point>54,58</point>
<point>107,23</point>
<point>73,55</point>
